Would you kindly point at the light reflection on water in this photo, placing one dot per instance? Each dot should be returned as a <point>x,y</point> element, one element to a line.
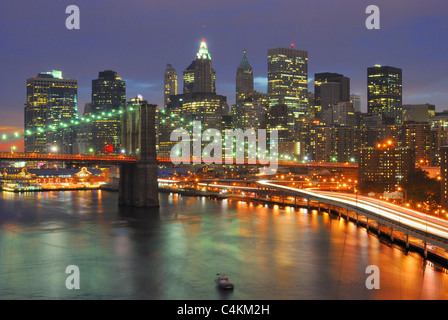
<point>175,251</point>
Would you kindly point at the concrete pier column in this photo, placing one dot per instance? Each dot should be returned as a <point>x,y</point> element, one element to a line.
<point>407,242</point>
<point>391,234</point>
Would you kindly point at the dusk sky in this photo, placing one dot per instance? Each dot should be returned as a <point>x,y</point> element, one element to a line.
<point>138,38</point>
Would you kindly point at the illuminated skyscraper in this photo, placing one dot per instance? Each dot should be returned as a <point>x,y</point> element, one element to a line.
<point>384,93</point>
<point>199,75</point>
<point>244,78</point>
<point>288,82</point>
<point>169,83</point>
<point>199,102</point>
<point>108,96</point>
<point>51,105</point>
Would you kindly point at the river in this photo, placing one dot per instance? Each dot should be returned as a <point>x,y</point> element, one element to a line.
<point>174,252</point>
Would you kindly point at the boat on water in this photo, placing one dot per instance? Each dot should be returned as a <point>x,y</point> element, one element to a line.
<point>223,281</point>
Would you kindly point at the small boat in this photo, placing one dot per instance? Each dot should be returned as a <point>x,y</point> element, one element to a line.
<point>223,281</point>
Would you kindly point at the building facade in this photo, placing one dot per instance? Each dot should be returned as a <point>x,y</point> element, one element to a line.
<point>169,83</point>
<point>385,165</point>
<point>244,78</point>
<point>384,93</point>
<point>199,75</point>
<point>329,89</point>
<point>108,97</point>
<point>51,106</point>
<point>288,82</point>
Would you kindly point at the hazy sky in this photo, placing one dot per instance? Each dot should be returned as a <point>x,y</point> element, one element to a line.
<point>138,38</point>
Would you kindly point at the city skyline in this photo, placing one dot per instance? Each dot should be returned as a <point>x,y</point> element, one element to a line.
<point>26,47</point>
<point>299,148</point>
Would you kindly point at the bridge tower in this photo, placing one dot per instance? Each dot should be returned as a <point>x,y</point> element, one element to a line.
<point>138,181</point>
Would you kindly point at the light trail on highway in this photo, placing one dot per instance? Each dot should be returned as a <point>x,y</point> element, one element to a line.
<point>401,215</point>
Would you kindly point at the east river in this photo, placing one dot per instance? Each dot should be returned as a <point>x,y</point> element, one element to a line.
<point>174,252</point>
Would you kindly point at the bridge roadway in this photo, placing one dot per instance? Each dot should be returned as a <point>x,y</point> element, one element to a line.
<point>21,156</point>
<point>419,225</point>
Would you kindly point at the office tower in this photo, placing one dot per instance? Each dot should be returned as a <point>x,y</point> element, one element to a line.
<point>385,165</point>
<point>288,82</point>
<point>418,112</point>
<point>384,93</point>
<point>169,83</point>
<point>277,119</point>
<point>108,97</point>
<point>51,106</point>
<point>199,75</point>
<point>444,176</point>
<point>329,89</point>
<point>356,100</point>
<point>244,78</point>
<point>199,102</point>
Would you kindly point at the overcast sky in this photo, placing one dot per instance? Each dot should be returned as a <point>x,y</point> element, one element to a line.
<point>137,38</point>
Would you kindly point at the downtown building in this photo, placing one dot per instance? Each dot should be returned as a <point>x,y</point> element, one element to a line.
<point>444,176</point>
<point>251,106</point>
<point>385,166</point>
<point>169,84</point>
<point>384,93</point>
<point>288,83</point>
<point>198,102</point>
<point>51,109</point>
<point>101,133</point>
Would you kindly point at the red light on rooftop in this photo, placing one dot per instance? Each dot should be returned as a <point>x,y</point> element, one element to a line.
<point>292,45</point>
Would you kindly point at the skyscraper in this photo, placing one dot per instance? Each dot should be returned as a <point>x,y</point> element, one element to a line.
<point>384,93</point>
<point>199,75</point>
<point>169,83</point>
<point>329,89</point>
<point>199,101</point>
<point>244,78</point>
<point>108,96</point>
<point>288,81</point>
<point>52,102</point>
<point>444,175</point>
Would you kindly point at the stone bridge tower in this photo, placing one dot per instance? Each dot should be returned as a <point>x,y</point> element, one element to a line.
<point>138,181</point>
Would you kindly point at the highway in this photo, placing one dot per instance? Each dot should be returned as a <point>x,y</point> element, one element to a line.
<point>400,215</point>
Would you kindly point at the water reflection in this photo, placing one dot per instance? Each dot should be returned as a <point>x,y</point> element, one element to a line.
<point>175,251</point>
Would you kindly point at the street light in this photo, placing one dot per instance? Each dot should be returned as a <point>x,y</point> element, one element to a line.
<point>13,148</point>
